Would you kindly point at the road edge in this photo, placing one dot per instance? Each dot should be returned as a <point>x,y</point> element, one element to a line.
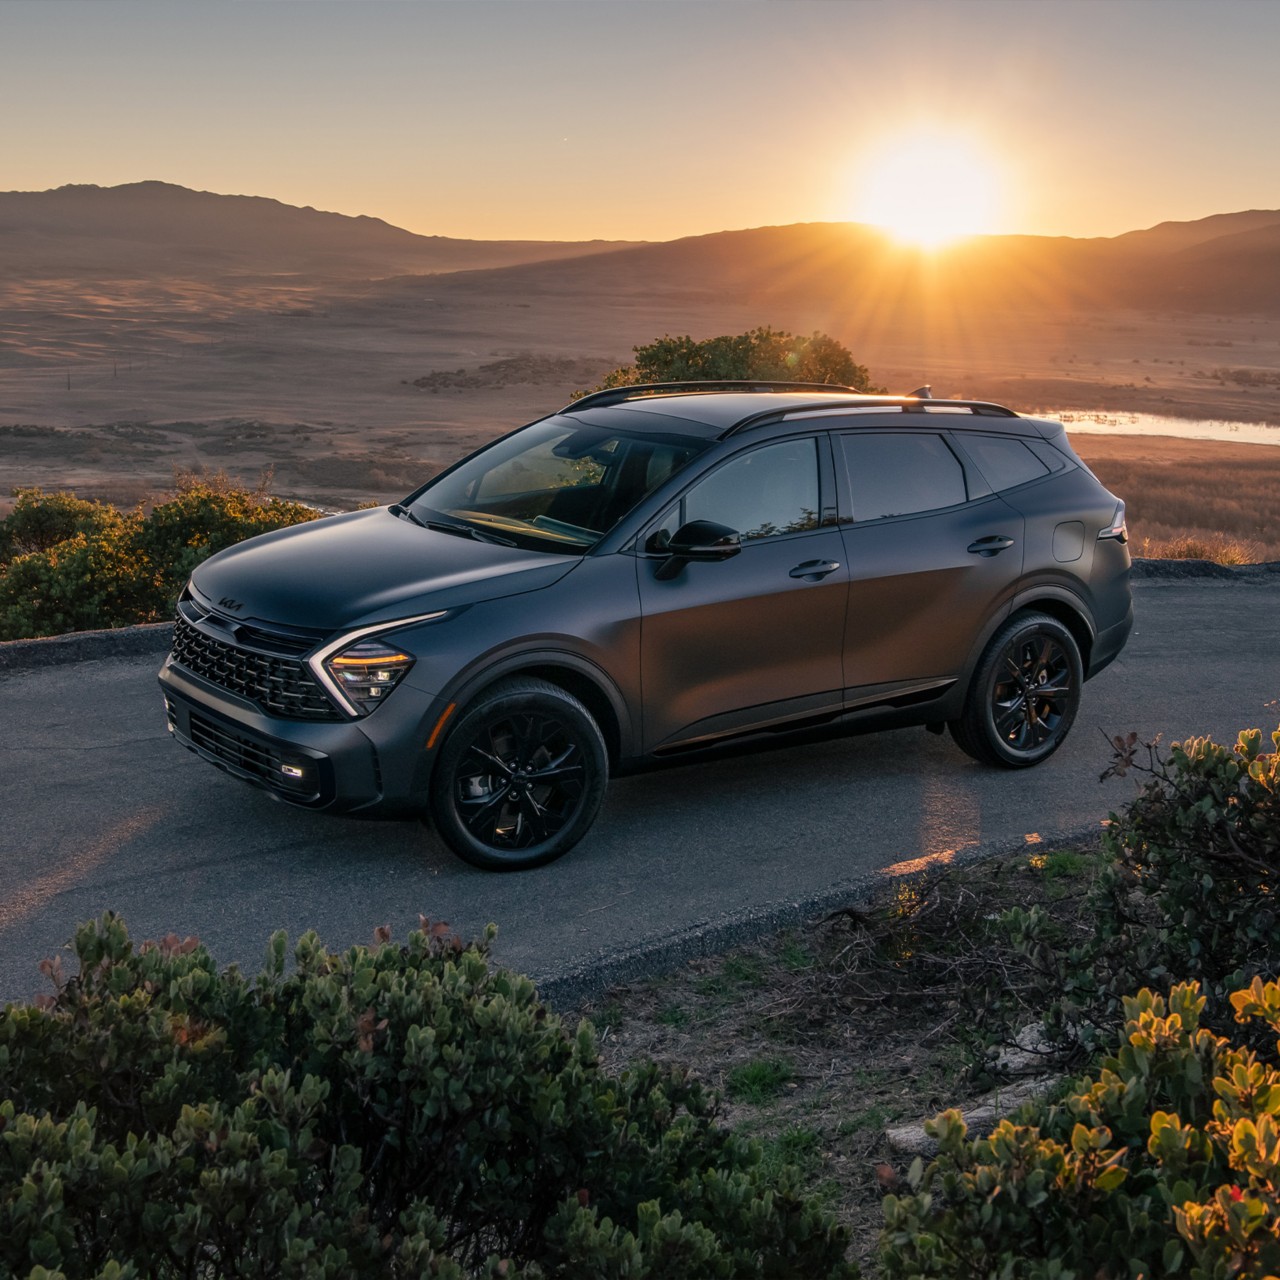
<point>85,646</point>
<point>586,981</point>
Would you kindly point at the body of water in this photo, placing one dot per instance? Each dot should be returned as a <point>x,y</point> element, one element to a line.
<point>1152,424</point>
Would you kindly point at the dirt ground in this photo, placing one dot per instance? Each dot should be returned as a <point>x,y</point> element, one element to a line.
<point>358,392</point>
<point>818,1039</point>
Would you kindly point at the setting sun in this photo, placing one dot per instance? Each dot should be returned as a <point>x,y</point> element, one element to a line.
<point>929,189</point>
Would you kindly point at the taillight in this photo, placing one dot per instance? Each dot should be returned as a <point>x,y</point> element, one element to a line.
<point>1117,529</point>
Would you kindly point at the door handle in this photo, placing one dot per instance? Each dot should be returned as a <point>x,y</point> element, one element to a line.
<point>815,570</point>
<point>991,545</point>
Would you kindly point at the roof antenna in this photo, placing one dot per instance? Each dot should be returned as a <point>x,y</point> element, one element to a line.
<point>920,393</point>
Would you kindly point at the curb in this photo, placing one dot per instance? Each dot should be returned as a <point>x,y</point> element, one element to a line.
<point>1187,569</point>
<point>85,646</point>
<point>590,979</point>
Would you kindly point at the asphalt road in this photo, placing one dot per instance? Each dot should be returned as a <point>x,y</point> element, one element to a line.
<point>99,809</point>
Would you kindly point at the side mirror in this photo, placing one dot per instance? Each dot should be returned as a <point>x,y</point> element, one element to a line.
<point>702,540</point>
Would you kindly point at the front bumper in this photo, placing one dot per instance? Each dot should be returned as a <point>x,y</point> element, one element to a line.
<point>379,763</point>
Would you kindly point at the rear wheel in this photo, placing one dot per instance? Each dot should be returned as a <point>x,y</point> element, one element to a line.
<point>520,777</point>
<point>1024,694</point>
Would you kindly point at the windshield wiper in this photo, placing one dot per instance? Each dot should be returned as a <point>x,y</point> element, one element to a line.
<point>459,530</point>
<point>405,514</point>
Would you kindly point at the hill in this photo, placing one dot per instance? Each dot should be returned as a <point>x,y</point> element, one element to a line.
<point>1226,264</point>
<point>1169,237</point>
<point>157,228</point>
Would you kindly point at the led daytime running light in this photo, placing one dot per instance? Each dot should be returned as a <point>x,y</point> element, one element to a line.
<point>340,660</point>
<point>392,657</point>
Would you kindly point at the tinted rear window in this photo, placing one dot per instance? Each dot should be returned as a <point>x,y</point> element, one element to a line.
<point>898,475</point>
<point>1004,461</point>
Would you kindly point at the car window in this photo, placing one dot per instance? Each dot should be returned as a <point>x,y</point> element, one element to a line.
<point>1004,461</point>
<point>760,494</point>
<point>555,485</point>
<point>540,469</point>
<point>901,474</point>
<point>1047,454</point>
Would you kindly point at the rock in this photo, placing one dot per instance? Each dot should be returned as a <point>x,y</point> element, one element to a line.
<point>1031,1052</point>
<point>981,1116</point>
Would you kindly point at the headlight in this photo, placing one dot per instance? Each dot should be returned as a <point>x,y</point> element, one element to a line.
<point>367,671</point>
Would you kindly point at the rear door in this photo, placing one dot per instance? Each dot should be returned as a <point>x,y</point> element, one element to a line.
<point>933,556</point>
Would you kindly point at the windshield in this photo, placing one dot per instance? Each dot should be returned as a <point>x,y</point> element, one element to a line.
<point>557,485</point>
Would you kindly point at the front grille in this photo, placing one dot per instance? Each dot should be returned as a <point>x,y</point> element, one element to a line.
<point>280,685</point>
<point>259,759</point>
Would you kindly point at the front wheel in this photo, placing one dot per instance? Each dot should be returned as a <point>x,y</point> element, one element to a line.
<point>520,777</point>
<point>1024,694</point>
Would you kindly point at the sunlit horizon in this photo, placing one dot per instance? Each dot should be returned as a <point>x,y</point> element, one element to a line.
<point>643,120</point>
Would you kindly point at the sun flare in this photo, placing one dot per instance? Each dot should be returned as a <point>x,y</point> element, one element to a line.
<point>929,189</point>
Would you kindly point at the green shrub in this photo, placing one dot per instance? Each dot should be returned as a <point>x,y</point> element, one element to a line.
<point>1197,859</point>
<point>41,520</point>
<point>1165,1164</point>
<point>93,578</point>
<point>71,565</point>
<point>205,517</point>
<point>1188,892</point>
<point>390,1111</point>
<point>764,353</point>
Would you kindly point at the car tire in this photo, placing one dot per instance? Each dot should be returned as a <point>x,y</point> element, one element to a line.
<point>520,777</point>
<point>1024,694</point>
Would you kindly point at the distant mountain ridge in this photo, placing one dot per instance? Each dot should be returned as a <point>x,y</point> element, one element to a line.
<point>159,225</point>
<point>1226,263</point>
<point>1169,237</point>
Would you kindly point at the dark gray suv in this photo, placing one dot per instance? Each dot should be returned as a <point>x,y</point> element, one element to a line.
<point>651,572</point>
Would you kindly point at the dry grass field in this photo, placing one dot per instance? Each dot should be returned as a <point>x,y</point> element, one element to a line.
<point>1186,498</point>
<point>1198,499</point>
<point>356,390</point>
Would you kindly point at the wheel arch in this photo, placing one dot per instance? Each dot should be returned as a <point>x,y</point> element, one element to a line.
<point>1063,608</point>
<point>1059,603</point>
<point>577,676</point>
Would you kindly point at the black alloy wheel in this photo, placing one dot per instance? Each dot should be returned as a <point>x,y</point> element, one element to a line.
<point>1024,695</point>
<point>520,777</point>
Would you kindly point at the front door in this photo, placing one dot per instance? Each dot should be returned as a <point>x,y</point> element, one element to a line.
<point>756,639</point>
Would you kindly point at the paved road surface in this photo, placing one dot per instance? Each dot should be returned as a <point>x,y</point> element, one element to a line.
<point>99,809</point>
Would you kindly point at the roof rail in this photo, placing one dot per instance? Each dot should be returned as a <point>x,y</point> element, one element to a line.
<point>908,404</point>
<point>643,390</point>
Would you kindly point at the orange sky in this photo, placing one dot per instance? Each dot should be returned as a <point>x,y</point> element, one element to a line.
<point>648,119</point>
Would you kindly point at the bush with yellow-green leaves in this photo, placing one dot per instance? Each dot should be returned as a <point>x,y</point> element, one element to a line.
<point>1165,1163</point>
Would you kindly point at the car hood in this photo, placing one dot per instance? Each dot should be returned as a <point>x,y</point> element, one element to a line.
<point>365,567</point>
